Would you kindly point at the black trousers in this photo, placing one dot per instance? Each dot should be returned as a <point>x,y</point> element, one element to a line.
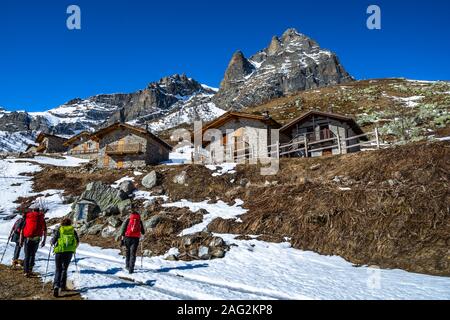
<point>62,261</point>
<point>131,245</point>
<point>30,248</point>
<point>17,250</point>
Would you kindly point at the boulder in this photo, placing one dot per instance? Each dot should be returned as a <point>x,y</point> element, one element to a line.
<point>218,253</point>
<point>111,211</point>
<point>193,252</point>
<point>114,222</point>
<point>108,232</point>
<point>203,253</point>
<point>108,199</point>
<point>180,178</point>
<point>83,230</point>
<point>189,240</point>
<point>202,212</point>
<point>95,230</point>
<point>153,222</point>
<point>127,187</point>
<point>216,242</point>
<point>124,206</point>
<point>150,180</point>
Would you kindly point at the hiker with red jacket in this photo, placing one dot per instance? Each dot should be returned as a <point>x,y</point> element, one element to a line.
<point>34,228</point>
<point>130,233</point>
<point>14,236</point>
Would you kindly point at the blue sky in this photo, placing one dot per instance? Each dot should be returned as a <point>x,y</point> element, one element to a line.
<point>124,45</point>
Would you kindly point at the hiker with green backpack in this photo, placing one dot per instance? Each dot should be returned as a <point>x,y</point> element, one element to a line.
<point>65,242</point>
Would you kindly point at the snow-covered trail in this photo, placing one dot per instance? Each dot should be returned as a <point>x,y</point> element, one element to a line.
<point>101,272</point>
<point>251,270</point>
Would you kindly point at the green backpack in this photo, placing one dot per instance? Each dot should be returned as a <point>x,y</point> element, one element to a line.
<point>67,241</point>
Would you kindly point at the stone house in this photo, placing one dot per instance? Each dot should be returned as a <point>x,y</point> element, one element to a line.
<point>82,146</point>
<point>124,146</point>
<point>316,126</point>
<point>49,143</point>
<point>242,136</point>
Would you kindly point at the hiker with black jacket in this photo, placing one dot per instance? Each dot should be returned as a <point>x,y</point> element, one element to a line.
<point>65,241</point>
<point>34,229</point>
<point>130,234</point>
<point>14,236</point>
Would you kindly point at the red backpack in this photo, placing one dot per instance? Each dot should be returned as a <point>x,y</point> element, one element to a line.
<point>34,225</point>
<point>134,226</point>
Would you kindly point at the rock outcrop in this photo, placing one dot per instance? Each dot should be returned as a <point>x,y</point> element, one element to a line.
<point>110,201</point>
<point>292,63</point>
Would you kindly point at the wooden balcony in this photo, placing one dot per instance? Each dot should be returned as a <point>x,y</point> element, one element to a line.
<point>81,152</point>
<point>124,149</point>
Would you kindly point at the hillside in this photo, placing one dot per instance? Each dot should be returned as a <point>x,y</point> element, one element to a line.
<point>321,204</point>
<point>402,109</point>
<point>330,223</point>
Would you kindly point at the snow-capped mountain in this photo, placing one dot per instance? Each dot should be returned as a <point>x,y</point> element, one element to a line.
<point>291,63</point>
<point>184,97</point>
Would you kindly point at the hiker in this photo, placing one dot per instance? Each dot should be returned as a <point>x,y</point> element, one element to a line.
<point>130,233</point>
<point>14,236</point>
<point>65,241</point>
<point>34,228</point>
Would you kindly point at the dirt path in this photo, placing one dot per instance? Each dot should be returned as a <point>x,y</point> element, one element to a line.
<point>14,286</point>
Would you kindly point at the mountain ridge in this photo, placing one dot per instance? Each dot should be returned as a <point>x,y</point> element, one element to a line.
<point>290,63</point>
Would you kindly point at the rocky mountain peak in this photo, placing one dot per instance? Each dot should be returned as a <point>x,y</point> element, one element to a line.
<point>177,85</point>
<point>275,46</point>
<point>291,63</point>
<point>291,34</point>
<point>292,37</point>
<point>238,68</point>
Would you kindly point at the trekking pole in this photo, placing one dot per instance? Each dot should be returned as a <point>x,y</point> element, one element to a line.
<point>46,268</point>
<point>76,268</point>
<point>142,253</point>
<point>6,247</point>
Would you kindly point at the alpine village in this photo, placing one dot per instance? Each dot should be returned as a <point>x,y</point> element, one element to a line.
<point>289,179</point>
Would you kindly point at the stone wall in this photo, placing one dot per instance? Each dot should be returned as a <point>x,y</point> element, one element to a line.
<point>54,144</point>
<point>153,151</point>
<point>84,149</point>
<point>253,132</point>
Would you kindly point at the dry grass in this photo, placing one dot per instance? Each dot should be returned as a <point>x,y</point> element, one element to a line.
<point>404,225</point>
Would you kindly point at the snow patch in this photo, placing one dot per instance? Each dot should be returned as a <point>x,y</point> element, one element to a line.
<point>216,210</point>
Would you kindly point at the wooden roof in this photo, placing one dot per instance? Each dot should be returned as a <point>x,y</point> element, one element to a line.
<point>117,126</point>
<point>350,121</point>
<point>43,135</point>
<point>236,115</point>
<point>77,137</point>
